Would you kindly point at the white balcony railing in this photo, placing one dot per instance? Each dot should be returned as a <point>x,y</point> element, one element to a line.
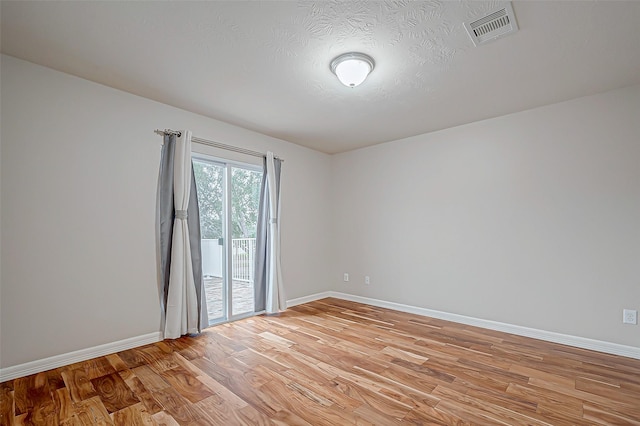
<point>243,251</point>
<point>243,258</point>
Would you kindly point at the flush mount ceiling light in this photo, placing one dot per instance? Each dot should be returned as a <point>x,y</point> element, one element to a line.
<point>352,68</point>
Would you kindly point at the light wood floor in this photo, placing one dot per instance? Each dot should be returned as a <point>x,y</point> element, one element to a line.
<point>336,363</point>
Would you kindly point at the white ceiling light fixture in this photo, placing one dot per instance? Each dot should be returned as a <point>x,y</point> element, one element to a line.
<point>352,68</point>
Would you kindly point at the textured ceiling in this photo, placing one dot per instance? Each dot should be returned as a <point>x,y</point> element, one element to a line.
<point>265,65</point>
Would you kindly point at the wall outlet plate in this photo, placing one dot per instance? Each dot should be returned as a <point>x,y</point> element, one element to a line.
<point>345,277</point>
<point>629,316</point>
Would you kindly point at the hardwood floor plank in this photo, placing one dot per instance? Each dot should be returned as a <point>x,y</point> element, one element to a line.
<point>158,359</point>
<point>550,400</point>
<point>305,408</point>
<point>223,394</point>
<point>381,384</point>
<point>286,418</point>
<point>133,415</point>
<point>369,415</point>
<point>65,407</point>
<point>151,405</point>
<point>43,414</point>
<point>419,371</point>
<point>22,387</point>
<point>430,418</point>
<point>565,379</point>
<point>79,385</point>
<point>150,379</point>
<point>470,415</point>
<point>334,362</point>
<point>610,400</point>
<point>55,379</point>
<point>404,355</point>
<point>471,375</point>
<point>220,413</point>
<point>251,417</point>
<point>186,384</point>
<point>632,413</point>
<point>490,396</point>
<point>217,412</point>
<point>163,418</point>
<point>116,362</point>
<point>327,389</point>
<point>133,357</point>
<point>374,398</point>
<point>32,395</point>
<point>114,392</point>
<point>397,374</point>
<point>178,407</point>
<point>93,368</point>
<point>7,407</point>
<point>91,411</point>
<point>494,411</point>
<point>604,389</point>
<point>236,383</point>
<point>317,332</point>
<point>607,417</point>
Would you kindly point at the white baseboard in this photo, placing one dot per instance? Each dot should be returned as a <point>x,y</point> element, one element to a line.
<point>549,336</point>
<point>311,298</point>
<point>56,361</point>
<point>45,364</point>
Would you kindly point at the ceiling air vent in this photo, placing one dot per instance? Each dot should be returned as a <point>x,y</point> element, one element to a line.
<point>497,24</point>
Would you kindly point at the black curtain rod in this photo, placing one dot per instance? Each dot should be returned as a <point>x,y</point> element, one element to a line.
<point>214,144</point>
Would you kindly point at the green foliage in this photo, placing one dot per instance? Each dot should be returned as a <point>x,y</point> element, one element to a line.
<point>245,193</point>
<point>245,202</point>
<point>209,181</point>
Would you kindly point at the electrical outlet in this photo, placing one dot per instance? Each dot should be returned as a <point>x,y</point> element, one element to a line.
<point>629,316</point>
<point>367,281</point>
<point>346,277</point>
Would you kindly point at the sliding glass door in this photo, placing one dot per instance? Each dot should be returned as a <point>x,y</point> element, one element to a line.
<point>228,199</point>
<point>210,181</point>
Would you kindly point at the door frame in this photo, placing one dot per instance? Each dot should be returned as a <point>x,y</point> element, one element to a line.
<point>227,258</point>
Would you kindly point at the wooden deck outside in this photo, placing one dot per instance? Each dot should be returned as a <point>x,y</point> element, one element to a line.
<point>243,301</point>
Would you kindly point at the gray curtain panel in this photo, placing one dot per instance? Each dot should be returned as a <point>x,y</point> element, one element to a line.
<point>166,218</point>
<point>262,243</point>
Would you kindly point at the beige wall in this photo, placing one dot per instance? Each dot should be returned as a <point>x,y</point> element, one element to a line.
<point>531,219</point>
<point>79,173</point>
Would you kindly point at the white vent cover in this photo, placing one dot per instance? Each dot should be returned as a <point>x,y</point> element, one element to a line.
<point>497,24</point>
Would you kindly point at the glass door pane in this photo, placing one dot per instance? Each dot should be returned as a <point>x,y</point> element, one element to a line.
<point>245,194</point>
<point>228,200</point>
<point>210,182</point>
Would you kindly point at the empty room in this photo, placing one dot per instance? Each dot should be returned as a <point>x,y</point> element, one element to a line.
<point>319,212</point>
